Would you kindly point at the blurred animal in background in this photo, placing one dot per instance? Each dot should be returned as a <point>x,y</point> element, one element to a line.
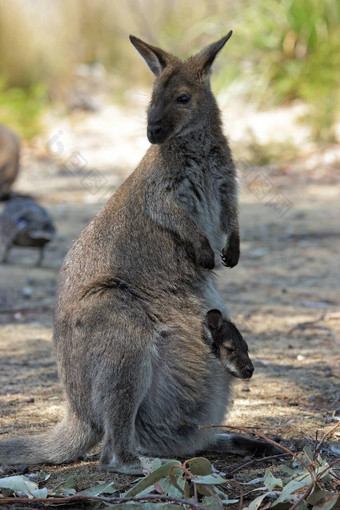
<point>9,160</point>
<point>24,223</point>
<point>229,346</point>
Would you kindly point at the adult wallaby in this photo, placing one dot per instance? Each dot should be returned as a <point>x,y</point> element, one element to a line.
<point>229,346</point>
<point>129,321</point>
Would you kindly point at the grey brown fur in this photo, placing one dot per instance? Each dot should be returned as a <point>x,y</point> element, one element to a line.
<point>9,160</point>
<point>129,322</point>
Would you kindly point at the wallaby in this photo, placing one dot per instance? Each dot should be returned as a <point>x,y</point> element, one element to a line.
<point>25,223</point>
<point>9,160</point>
<point>133,290</point>
<point>229,346</point>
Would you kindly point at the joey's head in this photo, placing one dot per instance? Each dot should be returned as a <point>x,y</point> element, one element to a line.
<point>229,346</point>
<point>182,100</point>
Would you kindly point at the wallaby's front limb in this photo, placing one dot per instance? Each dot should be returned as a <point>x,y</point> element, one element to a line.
<point>175,219</point>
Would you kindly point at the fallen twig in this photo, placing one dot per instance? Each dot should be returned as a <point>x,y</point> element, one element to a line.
<point>326,435</point>
<point>254,461</point>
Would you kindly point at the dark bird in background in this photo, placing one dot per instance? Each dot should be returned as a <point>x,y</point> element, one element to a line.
<point>9,160</point>
<point>24,223</point>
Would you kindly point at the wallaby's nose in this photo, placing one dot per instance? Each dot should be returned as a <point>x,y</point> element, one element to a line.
<point>154,130</point>
<point>249,371</point>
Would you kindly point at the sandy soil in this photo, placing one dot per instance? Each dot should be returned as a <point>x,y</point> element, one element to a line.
<point>286,278</point>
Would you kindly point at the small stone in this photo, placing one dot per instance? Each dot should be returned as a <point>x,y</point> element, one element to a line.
<point>30,400</point>
<point>300,357</point>
<point>26,292</point>
<point>311,398</point>
<point>245,388</point>
<point>293,403</point>
<point>328,373</point>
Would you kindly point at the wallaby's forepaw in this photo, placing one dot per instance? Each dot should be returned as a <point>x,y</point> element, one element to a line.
<point>231,253</point>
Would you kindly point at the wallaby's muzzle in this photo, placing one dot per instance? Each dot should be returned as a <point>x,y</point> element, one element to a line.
<point>155,133</point>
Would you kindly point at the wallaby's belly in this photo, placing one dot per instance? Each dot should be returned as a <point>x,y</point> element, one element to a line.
<point>179,399</point>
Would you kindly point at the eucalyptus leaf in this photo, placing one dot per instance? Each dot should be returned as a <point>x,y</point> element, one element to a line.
<point>205,489</point>
<point>253,482</point>
<point>19,483</point>
<point>287,469</point>
<point>322,499</point>
<point>39,477</point>
<point>69,483</point>
<point>40,493</point>
<point>69,492</point>
<point>212,503</point>
<point>200,466</point>
<point>209,480</point>
<point>177,480</point>
<point>108,488</point>
<point>227,501</point>
<point>188,490</point>
<point>303,477</point>
<point>270,481</point>
<point>254,505</point>
<point>170,489</point>
<point>150,479</point>
<point>289,489</point>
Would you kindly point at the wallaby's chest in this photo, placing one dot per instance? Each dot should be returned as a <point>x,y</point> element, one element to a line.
<point>199,193</point>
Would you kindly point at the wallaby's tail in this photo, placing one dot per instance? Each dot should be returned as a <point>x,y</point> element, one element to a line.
<point>66,442</point>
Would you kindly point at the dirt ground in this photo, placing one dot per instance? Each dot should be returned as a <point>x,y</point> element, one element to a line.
<point>287,277</point>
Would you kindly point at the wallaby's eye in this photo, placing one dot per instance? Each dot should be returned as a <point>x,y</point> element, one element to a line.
<point>183,99</point>
<point>228,350</point>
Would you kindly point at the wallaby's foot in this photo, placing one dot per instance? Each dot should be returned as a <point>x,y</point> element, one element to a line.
<point>231,253</point>
<point>126,464</point>
<point>255,447</point>
<point>240,445</point>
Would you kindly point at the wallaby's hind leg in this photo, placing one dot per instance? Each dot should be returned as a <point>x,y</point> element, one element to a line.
<point>120,403</point>
<point>239,445</point>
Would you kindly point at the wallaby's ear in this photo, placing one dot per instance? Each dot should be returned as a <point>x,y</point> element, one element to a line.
<point>205,58</point>
<point>156,58</point>
<point>215,319</point>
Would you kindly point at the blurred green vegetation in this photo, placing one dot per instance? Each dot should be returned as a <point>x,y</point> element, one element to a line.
<point>282,50</point>
<point>22,108</point>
